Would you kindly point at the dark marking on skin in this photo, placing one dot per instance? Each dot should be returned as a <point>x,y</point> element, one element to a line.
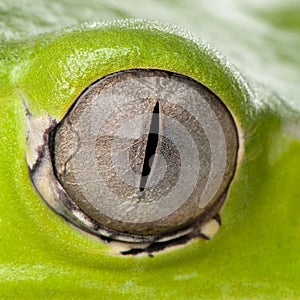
<point>27,114</point>
<point>41,149</point>
<point>40,155</point>
<point>159,246</point>
<point>203,236</point>
<point>217,217</point>
<point>51,145</point>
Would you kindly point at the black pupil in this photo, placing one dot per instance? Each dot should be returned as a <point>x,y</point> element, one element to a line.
<point>151,146</point>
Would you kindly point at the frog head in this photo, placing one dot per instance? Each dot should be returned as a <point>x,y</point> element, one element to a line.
<point>49,107</point>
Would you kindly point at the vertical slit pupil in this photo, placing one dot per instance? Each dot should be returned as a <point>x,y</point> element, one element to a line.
<point>151,146</point>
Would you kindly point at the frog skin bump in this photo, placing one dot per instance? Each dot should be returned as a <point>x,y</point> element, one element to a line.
<point>255,253</point>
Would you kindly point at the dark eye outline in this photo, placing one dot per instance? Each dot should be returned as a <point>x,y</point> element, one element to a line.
<point>45,181</point>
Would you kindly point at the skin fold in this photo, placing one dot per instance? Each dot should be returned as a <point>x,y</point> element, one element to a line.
<point>51,51</point>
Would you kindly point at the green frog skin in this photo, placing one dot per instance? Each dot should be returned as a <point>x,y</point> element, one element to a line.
<point>49,55</point>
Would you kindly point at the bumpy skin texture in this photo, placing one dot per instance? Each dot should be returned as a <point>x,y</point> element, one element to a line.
<point>256,252</point>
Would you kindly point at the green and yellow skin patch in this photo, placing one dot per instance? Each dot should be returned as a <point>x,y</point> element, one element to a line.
<point>255,253</point>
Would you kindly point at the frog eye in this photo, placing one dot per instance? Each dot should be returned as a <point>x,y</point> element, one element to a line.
<point>145,152</point>
<point>143,155</point>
